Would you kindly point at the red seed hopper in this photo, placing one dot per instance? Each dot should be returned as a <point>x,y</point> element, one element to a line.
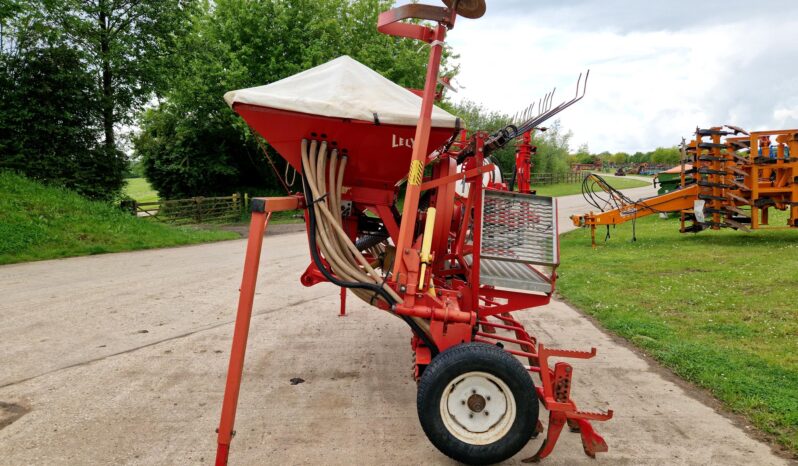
<point>360,112</point>
<point>453,267</point>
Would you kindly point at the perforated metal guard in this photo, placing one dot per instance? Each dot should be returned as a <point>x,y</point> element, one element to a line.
<point>519,241</point>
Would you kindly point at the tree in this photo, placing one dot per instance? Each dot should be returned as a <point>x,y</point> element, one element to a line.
<point>47,128</point>
<point>127,43</point>
<point>191,143</point>
<point>583,155</point>
<point>110,53</point>
<point>553,148</point>
<point>619,158</point>
<point>666,155</point>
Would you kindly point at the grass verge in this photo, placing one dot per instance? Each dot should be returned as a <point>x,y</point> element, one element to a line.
<point>720,308</point>
<point>567,189</point>
<point>39,222</point>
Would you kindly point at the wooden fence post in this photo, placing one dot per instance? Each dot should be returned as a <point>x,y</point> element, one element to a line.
<point>236,207</point>
<point>198,207</point>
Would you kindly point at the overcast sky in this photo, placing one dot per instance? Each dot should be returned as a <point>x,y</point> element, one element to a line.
<point>658,69</point>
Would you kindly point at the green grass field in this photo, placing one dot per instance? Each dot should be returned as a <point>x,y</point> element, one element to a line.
<point>720,308</point>
<point>140,190</point>
<point>567,189</point>
<point>39,222</point>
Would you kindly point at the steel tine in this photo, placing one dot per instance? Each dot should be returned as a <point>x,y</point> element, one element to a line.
<point>545,105</point>
<point>584,88</point>
<point>587,75</point>
<point>546,101</point>
<point>578,85</point>
<point>551,112</point>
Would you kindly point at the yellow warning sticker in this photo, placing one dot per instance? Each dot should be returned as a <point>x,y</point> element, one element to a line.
<point>416,173</point>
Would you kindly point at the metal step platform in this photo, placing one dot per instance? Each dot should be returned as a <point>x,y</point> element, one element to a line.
<point>512,275</point>
<point>519,241</point>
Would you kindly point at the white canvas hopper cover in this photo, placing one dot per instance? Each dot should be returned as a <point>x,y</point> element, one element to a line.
<point>343,88</point>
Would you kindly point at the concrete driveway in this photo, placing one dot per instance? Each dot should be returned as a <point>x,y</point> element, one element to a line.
<point>121,359</point>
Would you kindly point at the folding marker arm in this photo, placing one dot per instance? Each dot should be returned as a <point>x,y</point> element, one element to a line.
<point>674,201</point>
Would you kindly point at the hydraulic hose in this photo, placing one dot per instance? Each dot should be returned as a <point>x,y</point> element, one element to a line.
<point>327,235</point>
<point>314,253</point>
<point>331,222</point>
<point>378,289</point>
<point>332,234</point>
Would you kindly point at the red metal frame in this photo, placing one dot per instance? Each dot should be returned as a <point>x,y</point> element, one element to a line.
<point>523,163</point>
<point>404,266</point>
<point>449,295</point>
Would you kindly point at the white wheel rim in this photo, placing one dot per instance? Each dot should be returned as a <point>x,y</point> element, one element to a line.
<point>478,408</point>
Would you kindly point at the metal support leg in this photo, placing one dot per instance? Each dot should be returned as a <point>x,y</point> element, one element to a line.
<point>343,303</point>
<point>257,228</point>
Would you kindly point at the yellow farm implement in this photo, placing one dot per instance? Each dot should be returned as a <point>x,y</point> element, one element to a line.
<point>734,178</point>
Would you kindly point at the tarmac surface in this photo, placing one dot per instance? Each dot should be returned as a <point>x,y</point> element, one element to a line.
<point>121,359</point>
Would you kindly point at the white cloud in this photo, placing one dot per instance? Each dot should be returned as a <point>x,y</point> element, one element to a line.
<point>650,84</point>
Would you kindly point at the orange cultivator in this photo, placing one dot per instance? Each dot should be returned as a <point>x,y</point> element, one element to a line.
<point>454,268</point>
<point>732,182</point>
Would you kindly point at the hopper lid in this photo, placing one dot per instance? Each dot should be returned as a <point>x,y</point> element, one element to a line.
<point>343,88</point>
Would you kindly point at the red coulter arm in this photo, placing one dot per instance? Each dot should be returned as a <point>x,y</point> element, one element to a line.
<point>555,390</point>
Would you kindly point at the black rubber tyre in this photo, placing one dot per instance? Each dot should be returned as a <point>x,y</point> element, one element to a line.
<point>438,381</point>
